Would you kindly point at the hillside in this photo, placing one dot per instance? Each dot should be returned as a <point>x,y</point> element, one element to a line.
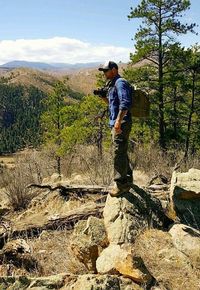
<point>80,79</point>
<point>83,80</point>
<point>21,107</point>
<point>30,77</point>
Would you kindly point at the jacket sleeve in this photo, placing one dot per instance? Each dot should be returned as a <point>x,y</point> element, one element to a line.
<point>124,94</point>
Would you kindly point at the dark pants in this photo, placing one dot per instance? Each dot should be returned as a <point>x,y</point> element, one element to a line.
<point>123,173</point>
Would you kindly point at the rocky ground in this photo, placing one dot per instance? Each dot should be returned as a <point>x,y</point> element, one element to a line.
<point>74,236</point>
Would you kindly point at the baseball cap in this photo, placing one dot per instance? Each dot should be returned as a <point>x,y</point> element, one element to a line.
<point>108,65</point>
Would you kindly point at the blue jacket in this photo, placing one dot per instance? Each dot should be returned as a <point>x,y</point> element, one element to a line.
<point>120,98</point>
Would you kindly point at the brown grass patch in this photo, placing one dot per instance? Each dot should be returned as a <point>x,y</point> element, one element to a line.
<point>170,267</point>
<point>53,254</point>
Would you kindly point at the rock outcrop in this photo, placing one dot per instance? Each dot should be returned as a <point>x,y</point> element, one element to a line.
<point>18,254</point>
<point>127,243</point>
<point>104,282</point>
<point>185,197</point>
<point>88,240</point>
<point>119,259</point>
<point>170,267</point>
<point>126,216</point>
<point>187,241</point>
<point>66,281</point>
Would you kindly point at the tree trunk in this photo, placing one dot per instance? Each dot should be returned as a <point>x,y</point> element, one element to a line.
<point>100,140</point>
<point>160,89</point>
<point>59,141</point>
<point>187,143</point>
<point>58,160</point>
<point>175,114</point>
<point>100,135</point>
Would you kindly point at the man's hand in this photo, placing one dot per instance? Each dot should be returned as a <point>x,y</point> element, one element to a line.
<point>117,127</point>
<point>104,99</point>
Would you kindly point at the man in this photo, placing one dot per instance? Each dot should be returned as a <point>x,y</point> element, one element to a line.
<point>119,100</point>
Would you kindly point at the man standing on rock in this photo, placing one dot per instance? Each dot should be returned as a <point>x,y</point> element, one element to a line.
<point>119,98</point>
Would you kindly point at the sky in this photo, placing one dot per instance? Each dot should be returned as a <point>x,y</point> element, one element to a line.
<point>74,31</point>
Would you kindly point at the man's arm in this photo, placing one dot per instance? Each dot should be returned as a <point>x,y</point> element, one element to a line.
<point>125,100</point>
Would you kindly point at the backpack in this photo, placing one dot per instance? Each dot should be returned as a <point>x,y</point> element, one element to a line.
<point>140,104</point>
<point>140,107</point>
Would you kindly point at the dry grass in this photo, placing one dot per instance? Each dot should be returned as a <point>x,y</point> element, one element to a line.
<point>170,268</point>
<point>7,159</point>
<point>53,254</point>
<point>84,165</point>
<point>152,161</point>
<point>92,168</point>
<point>28,168</point>
<point>35,165</point>
<point>16,190</point>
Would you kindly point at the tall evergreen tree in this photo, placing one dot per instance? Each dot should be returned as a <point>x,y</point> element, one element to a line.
<point>192,72</point>
<point>52,120</point>
<point>160,21</point>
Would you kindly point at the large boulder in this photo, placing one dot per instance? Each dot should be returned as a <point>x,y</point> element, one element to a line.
<point>185,197</point>
<point>18,253</point>
<point>88,240</point>
<point>170,267</point>
<point>187,240</point>
<point>125,216</point>
<point>66,281</point>
<point>104,282</point>
<point>119,259</point>
<point>16,246</point>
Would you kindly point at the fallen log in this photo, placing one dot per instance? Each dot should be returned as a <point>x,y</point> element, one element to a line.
<point>67,190</point>
<point>57,222</point>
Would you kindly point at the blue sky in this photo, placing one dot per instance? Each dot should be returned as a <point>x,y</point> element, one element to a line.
<point>73,31</point>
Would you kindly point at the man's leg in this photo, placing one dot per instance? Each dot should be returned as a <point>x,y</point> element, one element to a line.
<point>122,169</point>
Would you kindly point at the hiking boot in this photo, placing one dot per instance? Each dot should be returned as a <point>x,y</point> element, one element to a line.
<point>116,191</point>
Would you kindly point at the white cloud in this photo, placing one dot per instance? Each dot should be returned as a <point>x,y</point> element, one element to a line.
<point>59,49</point>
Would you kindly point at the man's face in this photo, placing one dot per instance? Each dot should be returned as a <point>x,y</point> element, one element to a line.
<point>110,73</point>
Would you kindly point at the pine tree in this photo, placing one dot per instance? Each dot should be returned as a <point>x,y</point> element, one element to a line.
<point>85,123</point>
<point>52,120</point>
<point>160,21</point>
<point>193,83</point>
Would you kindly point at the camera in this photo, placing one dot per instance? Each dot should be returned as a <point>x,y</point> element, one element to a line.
<point>102,92</point>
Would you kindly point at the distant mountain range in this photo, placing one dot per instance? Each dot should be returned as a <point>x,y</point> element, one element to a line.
<point>48,66</point>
